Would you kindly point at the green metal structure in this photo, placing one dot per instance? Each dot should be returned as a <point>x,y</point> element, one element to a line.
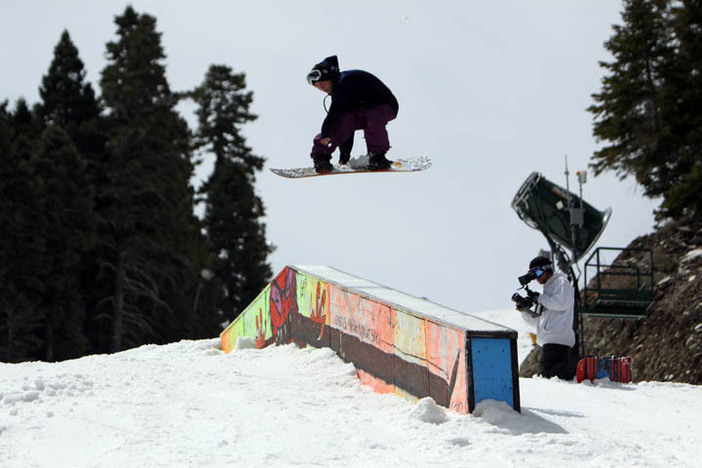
<point>621,288</point>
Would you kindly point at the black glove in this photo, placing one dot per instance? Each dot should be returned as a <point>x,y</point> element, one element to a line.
<point>533,295</point>
<point>534,313</point>
<point>522,303</point>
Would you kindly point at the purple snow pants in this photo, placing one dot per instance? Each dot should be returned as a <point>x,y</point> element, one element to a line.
<point>371,120</point>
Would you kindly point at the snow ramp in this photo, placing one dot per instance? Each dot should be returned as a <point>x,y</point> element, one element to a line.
<point>398,343</point>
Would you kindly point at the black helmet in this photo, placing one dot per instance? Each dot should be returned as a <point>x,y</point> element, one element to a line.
<point>541,262</point>
<point>327,69</point>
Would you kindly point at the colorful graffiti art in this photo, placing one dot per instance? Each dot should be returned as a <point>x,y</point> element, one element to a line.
<point>395,352</point>
<point>394,349</point>
<point>310,327</point>
<point>318,314</point>
<point>260,330</point>
<point>446,361</point>
<point>283,304</point>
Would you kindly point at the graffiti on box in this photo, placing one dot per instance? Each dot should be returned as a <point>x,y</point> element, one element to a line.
<point>392,350</point>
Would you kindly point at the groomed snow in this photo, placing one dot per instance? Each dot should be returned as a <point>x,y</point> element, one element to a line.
<point>188,404</point>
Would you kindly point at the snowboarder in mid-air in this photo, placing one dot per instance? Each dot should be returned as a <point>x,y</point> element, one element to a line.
<point>360,101</point>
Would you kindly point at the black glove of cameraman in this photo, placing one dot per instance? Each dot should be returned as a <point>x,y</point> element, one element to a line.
<point>533,295</point>
<point>523,304</point>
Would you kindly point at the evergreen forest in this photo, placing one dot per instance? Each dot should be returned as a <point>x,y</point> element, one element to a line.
<point>648,113</point>
<point>101,248</point>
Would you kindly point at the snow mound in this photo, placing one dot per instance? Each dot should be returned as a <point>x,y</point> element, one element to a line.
<point>426,410</point>
<point>509,421</point>
<point>244,342</point>
<point>498,413</point>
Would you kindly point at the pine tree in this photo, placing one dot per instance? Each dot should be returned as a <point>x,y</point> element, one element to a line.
<point>150,231</point>
<point>67,205</point>
<point>648,110</point>
<point>233,210</point>
<point>683,200</point>
<point>69,105</point>
<point>67,101</point>
<point>23,247</point>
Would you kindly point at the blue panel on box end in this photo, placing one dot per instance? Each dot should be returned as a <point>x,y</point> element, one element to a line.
<point>492,370</point>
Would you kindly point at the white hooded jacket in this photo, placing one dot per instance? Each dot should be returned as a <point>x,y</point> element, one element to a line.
<point>555,324</point>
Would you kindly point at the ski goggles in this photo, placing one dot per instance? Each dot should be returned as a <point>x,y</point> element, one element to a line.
<point>314,76</point>
<point>539,271</point>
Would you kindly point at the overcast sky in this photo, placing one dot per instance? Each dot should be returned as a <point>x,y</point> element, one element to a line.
<point>491,91</point>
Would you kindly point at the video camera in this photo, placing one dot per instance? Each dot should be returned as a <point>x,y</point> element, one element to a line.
<point>526,303</point>
<point>528,278</point>
<point>522,303</point>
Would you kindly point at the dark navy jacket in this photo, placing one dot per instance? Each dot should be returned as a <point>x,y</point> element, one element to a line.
<point>356,89</point>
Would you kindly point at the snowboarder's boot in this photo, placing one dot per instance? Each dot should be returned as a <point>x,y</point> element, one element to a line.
<point>344,158</point>
<point>322,163</point>
<point>378,162</point>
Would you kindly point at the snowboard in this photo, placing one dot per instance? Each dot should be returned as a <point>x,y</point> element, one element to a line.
<point>357,166</point>
<point>616,369</point>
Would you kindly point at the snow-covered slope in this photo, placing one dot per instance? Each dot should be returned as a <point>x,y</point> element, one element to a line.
<point>187,404</point>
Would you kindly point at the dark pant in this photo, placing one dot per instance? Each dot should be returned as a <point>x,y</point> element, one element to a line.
<point>371,120</point>
<point>556,362</point>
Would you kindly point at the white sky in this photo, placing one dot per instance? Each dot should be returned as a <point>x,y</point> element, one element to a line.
<point>490,90</point>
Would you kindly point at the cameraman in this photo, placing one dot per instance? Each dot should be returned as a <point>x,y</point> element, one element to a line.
<point>552,317</point>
